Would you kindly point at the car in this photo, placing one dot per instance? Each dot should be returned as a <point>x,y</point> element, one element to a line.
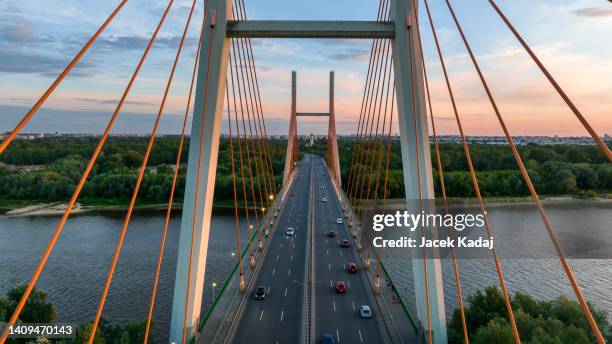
<point>290,231</point>
<point>328,339</point>
<point>339,221</point>
<point>324,199</point>
<point>292,194</point>
<point>331,234</point>
<point>365,311</point>
<point>345,243</point>
<point>340,287</point>
<point>260,293</point>
<point>352,267</point>
<point>323,187</point>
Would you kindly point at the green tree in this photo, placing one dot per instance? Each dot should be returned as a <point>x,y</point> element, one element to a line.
<point>37,309</point>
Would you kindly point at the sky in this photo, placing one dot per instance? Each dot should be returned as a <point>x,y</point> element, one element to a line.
<point>571,37</point>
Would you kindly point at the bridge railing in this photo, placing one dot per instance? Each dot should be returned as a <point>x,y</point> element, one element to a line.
<point>381,300</point>
<point>237,296</point>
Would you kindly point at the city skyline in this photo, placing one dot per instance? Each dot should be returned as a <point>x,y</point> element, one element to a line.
<point>35,48</point>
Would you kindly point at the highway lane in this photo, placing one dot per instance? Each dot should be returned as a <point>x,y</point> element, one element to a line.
<point>338,314</point>
<point>278,318</point>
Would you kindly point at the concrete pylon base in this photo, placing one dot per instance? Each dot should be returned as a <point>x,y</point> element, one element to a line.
<point>376,287</point>
<point>252,262</point>
<point>366,266</point>
<point>260,246</point>
<point>242,286</point>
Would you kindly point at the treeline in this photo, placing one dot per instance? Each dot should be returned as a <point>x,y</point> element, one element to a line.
<point>554,169</point>
<point>559,320</point>
<point>39,310</point>
<point>48,169</point>
<point>114,176</point>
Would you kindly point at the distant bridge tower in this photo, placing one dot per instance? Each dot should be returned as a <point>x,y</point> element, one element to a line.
<point>206,131</point>
<point>291,157</point>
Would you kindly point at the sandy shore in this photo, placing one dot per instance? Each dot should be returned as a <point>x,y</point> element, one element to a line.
<point>398,204</point>
<point>57,209</point>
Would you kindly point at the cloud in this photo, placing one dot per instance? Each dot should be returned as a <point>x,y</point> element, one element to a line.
<point>112,101</point>
<point>35,63</point>
<point>594,12</point>
<point>126,43</point>
<point>19,31</point>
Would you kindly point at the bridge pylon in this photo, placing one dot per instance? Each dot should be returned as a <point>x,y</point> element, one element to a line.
<point>219,28</point>
<point>291,157</point>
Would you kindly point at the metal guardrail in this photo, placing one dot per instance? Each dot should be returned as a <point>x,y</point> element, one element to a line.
<point>342,195</point>
<point>278,202</point>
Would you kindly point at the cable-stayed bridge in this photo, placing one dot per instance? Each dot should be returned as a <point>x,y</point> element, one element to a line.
<point>300,270</point>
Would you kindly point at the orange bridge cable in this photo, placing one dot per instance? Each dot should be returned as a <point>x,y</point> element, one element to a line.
<point>382,136</point>
<point>40,102</point>
<point>441,178</point>
<point>535,197</point>
<point>418,161</point>
<point>259,167</point>
<point>602,146</point>
<point>385,89</point>
<point>361,151</point>
<point>389,140</point>
<point>248,140</point>
<point>248,89</point>
<point>143,168</point>
<point>377,151</point>
<point>365,106</point>
<point>474,179</point>
<point>371,152</point>
<point>173,188</point>
<point>244,192</point>
<point>259,112</point>
<point>371,110</point>
<point>236,216</point>
<point>197,188</point>
<point>366,122</point>
<point>79,187</point>
<point>378,262</point>
<point>351,171</point>
<point>443,191</point>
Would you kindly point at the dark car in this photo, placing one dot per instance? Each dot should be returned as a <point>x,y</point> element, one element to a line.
<point>331,234</point>
<point>340,287</point>
<point>328,339</point>
<point>260,293</point>
<point>345,243</point>
<point>352,267</point>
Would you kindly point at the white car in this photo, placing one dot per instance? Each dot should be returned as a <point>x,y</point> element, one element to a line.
<point>324,199</point>
<point>339,221</point>
<point>365,311</point>
<point>322,187</point>
<point>290,231</point>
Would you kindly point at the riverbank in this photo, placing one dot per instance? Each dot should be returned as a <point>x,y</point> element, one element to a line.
<point>23,209</point>
<point>491,202</point>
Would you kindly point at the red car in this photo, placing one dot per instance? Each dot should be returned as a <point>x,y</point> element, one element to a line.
<point>345,243</point>
<point>352,267</point>
<point>340,287</point>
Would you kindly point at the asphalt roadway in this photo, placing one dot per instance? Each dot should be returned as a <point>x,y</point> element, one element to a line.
<point>279,318</point>
<point>338,314</point>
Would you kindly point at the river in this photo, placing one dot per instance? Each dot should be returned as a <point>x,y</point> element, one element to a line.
<point>76,271</point>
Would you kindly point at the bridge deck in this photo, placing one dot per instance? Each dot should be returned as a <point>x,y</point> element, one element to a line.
<point>312,211</point>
